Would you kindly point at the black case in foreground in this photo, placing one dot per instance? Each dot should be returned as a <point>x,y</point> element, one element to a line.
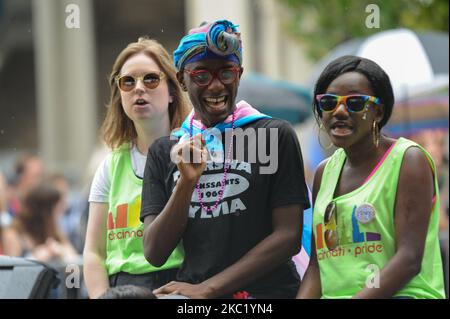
<point>22,278</point>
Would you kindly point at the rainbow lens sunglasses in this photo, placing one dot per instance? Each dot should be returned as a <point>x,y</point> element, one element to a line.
<point>204,77</point>
<point>151,81</point>
<point>354,103</point>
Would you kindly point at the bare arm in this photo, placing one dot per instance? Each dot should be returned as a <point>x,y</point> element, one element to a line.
<point>95,273</point>
<point>158,241</point>
<point>412,214</point>
<point>311,287</point>
<point>163,232</point>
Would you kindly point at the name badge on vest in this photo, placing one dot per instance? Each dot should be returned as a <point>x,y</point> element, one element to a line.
<point>365,213</point>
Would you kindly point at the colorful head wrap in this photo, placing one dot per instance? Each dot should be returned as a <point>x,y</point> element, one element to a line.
<point>219,39</point>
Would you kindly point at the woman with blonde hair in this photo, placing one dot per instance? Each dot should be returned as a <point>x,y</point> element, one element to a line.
<point>146,103</point>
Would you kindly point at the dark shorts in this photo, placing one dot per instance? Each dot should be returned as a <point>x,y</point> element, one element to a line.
<point>151,280</point>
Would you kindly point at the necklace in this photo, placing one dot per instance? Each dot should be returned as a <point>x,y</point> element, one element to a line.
<point>227,163</point>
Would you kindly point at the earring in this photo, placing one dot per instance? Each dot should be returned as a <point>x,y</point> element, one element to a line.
<point>318,137</point>
<point>376,133</point>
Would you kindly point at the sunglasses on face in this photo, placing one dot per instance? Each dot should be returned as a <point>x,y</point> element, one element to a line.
<point>354,103</point>
<point>330,222</point>
<point>151,81</point>
<point>204,77</point>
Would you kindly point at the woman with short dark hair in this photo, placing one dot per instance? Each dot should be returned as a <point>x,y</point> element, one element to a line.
<point>376,199</point>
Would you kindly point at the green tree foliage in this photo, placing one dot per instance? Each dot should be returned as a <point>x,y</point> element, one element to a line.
<point>323,24</point>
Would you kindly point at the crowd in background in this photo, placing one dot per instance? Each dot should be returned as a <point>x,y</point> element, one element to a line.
<point>38,217</point>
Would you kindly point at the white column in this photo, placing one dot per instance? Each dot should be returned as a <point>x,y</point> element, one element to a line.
<point>65,85</point>
<point>270,49</point>
<point>297,68</point>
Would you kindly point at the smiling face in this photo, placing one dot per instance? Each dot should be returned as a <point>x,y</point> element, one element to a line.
<point>213,102</point>
<point>142,103</point>
<point>345,128</point>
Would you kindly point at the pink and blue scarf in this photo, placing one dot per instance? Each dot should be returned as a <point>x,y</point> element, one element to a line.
<point>244,114</point>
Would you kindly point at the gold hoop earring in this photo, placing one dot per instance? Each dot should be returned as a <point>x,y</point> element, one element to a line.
<point>376,133</point>
<point>318,138</point>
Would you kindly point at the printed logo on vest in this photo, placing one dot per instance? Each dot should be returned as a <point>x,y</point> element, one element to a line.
<point>127,216</point>
<point>362,238</point>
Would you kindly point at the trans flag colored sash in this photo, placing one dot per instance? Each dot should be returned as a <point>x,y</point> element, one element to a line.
<point>244,114</point>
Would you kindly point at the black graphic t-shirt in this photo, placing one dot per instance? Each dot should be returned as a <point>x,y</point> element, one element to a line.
<point>266,172</point>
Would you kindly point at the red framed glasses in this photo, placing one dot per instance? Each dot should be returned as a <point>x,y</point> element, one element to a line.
<point>205,77</point>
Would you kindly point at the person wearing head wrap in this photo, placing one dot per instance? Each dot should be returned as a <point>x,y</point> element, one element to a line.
<point>212,40</point>
<point>238,216</point>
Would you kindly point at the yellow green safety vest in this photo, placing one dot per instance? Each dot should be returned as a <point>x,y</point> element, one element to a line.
<point>125,252</point>
<point>366,231</point>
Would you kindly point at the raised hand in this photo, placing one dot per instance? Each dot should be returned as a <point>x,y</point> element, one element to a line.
<point>190,157</point>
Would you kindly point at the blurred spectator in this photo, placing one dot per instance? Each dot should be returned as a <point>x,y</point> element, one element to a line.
<point>68,215</point>
<point>434,142</point>
<point>4,216</point>
<point>29,171</point>
<point>34,232</point>
<point>127,292</point>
